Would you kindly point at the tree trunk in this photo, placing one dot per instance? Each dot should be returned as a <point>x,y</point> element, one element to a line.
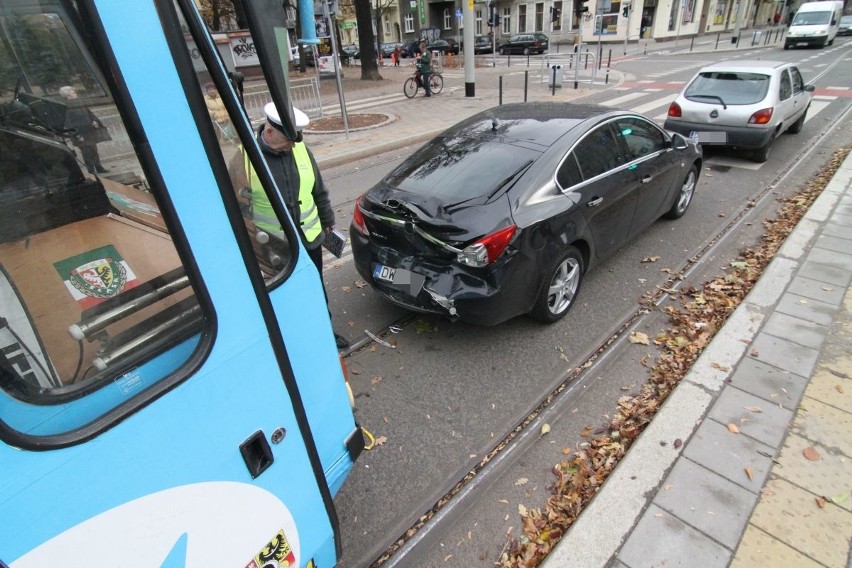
<point>366,41</point>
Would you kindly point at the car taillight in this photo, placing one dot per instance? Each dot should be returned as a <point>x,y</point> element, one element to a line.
<point>674,110</point>
<point>358,218</point>
<point>762,116</point>
<point>487,249</point>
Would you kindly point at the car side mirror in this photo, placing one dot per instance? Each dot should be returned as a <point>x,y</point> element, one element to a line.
<point>810,88</point>
<point>679,142</point>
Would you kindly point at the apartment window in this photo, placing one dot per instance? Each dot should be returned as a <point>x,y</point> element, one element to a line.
<point>448,19</point>
<point>522,18</point>
<point>557,24</point>
<point>409,23</point>
<point>477,30</point>
<point>539,16</point>
<point>507,21</point>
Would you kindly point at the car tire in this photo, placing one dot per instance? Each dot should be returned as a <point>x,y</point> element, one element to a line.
<point>526,51</point>
<point>786,45</point>
<point>684,195</point>
<point>760,155</point>
<point>796,127</point>
<point>502,51</point>
<point>559,287</point>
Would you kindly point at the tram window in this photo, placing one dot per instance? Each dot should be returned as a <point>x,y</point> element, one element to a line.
<point>94,298</point>
<point>270,240</point>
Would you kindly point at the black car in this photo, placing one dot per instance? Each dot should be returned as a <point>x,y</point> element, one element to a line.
<point>525,44</point>
<point>502,214</point>
<point>482,44</point>
<point>409,49</point>
<point>444,46</point>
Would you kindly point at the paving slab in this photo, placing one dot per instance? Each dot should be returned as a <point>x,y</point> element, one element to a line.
<point>823,256</point>
<point>816,290</point>
<point>760,549</point>
<point>774,385</point>
<point>830,476</point>
<point>791,514</point>
<point>828,387</point>
<point>715,447</point>
<point>826,273</point>
<point>826,424</point>
<point>838,230</point>
<point>767,423</point>
<point>706,501</point>
<point>833,243</point>
<point>803,332</point>
<point>661,539</point>
<point>808,309</point>
<point>784,354</point>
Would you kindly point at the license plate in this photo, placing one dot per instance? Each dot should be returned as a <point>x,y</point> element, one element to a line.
<point>709,137</point>
<point>410,281</point>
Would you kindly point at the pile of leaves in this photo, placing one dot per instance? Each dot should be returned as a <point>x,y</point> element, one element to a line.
<point>702,313</point>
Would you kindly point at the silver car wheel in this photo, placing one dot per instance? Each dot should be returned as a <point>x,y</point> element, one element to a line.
<point>686,191</point>
<point>564,285</point>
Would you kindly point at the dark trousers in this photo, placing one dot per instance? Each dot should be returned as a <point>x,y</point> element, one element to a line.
<point>424,78</point>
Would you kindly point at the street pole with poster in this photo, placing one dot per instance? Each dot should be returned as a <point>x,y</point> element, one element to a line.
<point>335,56</point>
<point>469,82</point>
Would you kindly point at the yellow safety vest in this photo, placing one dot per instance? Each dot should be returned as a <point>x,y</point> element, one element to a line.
<point>262,212</point>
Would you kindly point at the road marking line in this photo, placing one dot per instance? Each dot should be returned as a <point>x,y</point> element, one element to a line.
<point>825,98</point>
<point>623,99</point>
<point>647,107</point>
<point>815,108</point>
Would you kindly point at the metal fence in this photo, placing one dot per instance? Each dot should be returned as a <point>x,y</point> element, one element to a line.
<point>304,95</point>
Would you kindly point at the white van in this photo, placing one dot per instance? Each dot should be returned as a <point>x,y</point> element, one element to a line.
<point>816,23</point>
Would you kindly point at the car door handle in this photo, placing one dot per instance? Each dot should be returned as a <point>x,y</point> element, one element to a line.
<point>647,179</point>
<point>595,202</point>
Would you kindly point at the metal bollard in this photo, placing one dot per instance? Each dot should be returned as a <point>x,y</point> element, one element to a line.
<point>608,61</point>
<point>691,43</point>
<point>526,84</point>
<point>500,91</point>
<point>718,35</point>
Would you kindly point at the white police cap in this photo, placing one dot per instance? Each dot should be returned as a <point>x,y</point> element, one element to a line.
<point>272,116</point>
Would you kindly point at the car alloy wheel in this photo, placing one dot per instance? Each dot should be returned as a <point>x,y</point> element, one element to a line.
<point>684,195</point>
<point>559,287</point>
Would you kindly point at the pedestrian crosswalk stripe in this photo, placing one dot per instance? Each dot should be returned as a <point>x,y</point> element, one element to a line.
<point>824,98</point>
<point>647,107</point>
<point>623,99</point>
<point>815,108</point>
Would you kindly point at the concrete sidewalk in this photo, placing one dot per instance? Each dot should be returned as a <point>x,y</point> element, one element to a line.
<point>765,473</point>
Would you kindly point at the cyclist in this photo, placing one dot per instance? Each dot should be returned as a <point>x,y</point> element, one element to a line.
<point>424,67</point>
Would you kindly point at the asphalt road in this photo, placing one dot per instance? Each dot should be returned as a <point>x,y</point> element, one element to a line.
<point>448,393</point>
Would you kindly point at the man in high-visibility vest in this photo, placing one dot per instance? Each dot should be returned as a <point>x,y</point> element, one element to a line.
<point>297,176</point>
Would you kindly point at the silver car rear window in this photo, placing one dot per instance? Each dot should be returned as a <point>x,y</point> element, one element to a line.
<point>733,87</point>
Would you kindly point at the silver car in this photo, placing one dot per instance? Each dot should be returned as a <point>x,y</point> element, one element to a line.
<point>742,104</point>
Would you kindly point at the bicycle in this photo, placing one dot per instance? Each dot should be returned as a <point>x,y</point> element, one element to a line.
<point>413,83</point>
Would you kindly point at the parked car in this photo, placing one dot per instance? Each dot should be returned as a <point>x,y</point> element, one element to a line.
<point>845,26</point>
<point>482,44</point>
<point>351,50</point>
<point>387,48</point>
<point>409,48</point>
<point>742,104</point>
<point>443,46</point>
<point>543,40</point>
<point>526,44</point>
<point>502,214</point>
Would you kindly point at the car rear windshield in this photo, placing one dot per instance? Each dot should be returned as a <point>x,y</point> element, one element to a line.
<point>733,88</point>
<point>462,171</point>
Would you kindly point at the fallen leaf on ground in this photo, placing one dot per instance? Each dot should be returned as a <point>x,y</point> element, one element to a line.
<point>678,443</point>
<point>749,473</point>
<point>755,409</point>
<point>545,429</point>
<point>820,501</point>
<point>522,481</point>
<point>811,453</point>
<point>733,428</point>
<point>639,337</point>
<point>381,440</point>
<point>522,511</point>
<point>651,259</point>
